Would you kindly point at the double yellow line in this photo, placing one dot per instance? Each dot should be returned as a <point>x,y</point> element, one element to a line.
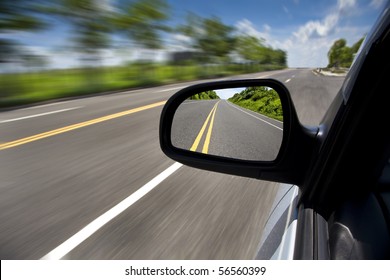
<point>202,130</point>
<point>76,126</point>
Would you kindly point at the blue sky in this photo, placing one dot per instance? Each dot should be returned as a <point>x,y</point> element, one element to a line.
<point>304,29</point>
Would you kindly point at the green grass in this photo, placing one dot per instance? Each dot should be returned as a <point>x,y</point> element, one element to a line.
<point>261,100</point>
<point>25,88</point>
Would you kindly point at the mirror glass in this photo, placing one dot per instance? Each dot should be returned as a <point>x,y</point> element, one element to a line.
<point>241,123</point>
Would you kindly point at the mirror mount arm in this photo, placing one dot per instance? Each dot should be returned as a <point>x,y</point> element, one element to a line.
<point>298,156</point>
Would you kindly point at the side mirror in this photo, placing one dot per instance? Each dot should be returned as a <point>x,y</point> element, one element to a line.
<point>245,127</point>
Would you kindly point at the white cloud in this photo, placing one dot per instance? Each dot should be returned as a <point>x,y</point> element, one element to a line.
<point>309,54</point>
<point>315,29</point>
<point>178,42</point>
<point>308,44</point>
<point>325,27</point>
<point>343,5</point>
<point>246,27</point>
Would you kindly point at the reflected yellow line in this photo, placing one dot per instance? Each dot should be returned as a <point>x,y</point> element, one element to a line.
<point>205,149</point>
<point>201,132</point>
<point>36,137</point>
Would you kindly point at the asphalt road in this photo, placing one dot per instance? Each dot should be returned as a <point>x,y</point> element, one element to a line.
<point>66,166</point>
<point>234,132</point>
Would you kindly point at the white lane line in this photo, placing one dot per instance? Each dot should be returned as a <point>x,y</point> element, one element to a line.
<point>265,76</point>
<point>44,105</point>
<point>168,89</point>
<point>287,80</point>
<point>99,222</point>
<point>263,116</point>
<point>39,115</point>
<point>255,117</point>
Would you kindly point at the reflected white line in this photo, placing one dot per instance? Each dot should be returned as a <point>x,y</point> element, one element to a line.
<point>260,119</point>
<point>100,221</point>
<point>287,80</point>
<point>39,115</point>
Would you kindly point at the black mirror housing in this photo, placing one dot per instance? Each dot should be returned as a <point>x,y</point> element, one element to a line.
<point>289,166</point>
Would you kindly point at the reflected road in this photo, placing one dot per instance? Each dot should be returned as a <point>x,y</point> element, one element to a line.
<point>226,129</point>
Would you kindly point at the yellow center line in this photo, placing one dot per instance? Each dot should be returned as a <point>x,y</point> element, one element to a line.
<point>208,136</point>
<point>201,132</point>
<point>50,133</point>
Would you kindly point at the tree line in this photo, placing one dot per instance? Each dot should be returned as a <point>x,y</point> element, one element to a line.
<point>206,95</point>
<point>216,41</point>
<point>262,100</point>
<point>94,27</point>
<point>340,55</point>
<point>142,22</point>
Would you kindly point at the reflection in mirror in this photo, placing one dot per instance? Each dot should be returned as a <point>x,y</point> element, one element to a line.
<point>240,123</point>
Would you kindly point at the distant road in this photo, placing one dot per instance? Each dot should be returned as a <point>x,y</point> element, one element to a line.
<point>66,165</point>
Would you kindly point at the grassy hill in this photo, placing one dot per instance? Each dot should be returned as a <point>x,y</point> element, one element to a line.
<point>262,100</point>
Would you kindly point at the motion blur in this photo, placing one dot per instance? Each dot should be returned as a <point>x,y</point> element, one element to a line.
<point>111,45</point>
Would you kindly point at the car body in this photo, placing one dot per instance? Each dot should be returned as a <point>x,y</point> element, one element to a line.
<point>334,202</point>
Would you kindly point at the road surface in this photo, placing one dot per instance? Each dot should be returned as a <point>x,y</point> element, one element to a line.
<point>86,179</point>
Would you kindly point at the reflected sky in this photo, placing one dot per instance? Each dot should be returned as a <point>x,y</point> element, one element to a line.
<point>228,92</point>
